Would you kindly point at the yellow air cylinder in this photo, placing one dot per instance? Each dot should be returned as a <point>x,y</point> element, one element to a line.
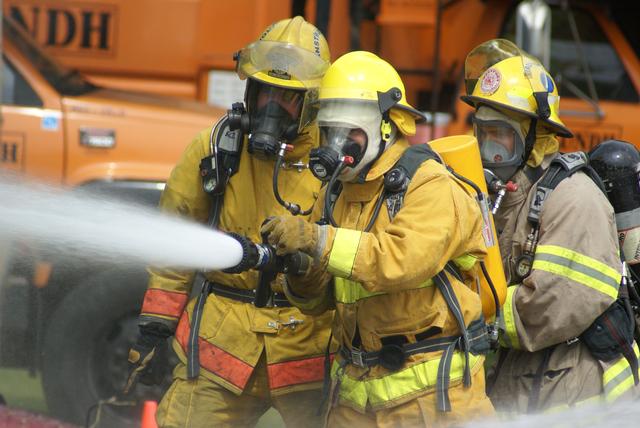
<point>461,153</point>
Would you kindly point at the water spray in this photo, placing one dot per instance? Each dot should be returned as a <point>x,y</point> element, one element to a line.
<point>83,225</point>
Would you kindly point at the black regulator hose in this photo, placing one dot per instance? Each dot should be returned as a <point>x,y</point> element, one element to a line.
<point>294,209</point>
<point>328,209</point>
<point>376,211</point>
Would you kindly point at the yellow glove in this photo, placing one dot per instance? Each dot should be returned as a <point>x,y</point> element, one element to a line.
<point>290,234</point>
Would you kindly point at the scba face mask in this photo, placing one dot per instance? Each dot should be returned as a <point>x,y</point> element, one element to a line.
<point>337,143</point>
<point>349,139</point>
<point>501,142</point>
<point>272,118</point>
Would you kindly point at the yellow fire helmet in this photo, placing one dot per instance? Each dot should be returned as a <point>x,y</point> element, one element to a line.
<point>363,76</point>
<point>501,75</point>
<point>290,53</point>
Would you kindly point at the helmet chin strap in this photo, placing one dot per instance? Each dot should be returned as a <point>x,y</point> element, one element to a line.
<point>530,140</point>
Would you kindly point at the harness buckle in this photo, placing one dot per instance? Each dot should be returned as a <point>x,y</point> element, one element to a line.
<point>292,323</point>
<point>357,358</point>
<point>573,340</point>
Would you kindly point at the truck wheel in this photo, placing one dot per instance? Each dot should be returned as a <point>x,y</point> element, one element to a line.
<point>85,349</point>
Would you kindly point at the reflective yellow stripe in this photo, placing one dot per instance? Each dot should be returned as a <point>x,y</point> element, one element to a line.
<point>580,258</point>
<point>578,267</point>
<point>510,337</point>
<point>343,252</point>
<point>348,291</point>
<point>618,378</point>
<point>465,262</point>
<point>378,391</point>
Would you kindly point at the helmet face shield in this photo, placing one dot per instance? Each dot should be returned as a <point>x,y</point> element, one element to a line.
<point>310,108</point>
<point>292,65</point>
<point>484,57</point>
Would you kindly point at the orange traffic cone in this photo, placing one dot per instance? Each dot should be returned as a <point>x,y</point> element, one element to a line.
<point>149,415</point>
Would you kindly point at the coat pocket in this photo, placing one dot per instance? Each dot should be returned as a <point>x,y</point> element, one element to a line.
<point>214,313</point>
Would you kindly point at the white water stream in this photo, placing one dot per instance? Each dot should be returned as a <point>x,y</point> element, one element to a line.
<point>53,219</point>
<point>625,414</point>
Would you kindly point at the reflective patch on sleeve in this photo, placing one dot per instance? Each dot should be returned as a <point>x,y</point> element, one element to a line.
<point>164,303</point>
<point>343,252</point>
<point>578,268</point>
<point>510,337</point>
<point>618,378</point>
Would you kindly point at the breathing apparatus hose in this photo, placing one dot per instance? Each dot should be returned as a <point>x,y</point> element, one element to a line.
<point>328,209</point>
<point>480,196</point>
<point>293,208</point>
<point>376,211</point>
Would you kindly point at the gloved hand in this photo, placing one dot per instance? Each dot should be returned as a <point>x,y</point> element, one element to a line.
<point>289,234</point>
<point>148,358</point>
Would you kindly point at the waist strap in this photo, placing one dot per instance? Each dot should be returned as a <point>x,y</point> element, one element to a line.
<point>278,300</point>
<point>478,340</point>
<point>245,296</point>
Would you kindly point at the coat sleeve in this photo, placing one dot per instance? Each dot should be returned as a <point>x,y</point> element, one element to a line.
<point>168,289</point>
<point>439,221</point>
<point>575,274</point>
<point>312,293</point>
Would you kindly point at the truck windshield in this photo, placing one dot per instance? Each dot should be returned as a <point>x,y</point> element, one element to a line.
<point>66,81</point>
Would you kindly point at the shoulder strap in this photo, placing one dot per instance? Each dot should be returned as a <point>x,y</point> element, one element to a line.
<point>560,168</point>
<point>225,148</point>
<point>397,180</point>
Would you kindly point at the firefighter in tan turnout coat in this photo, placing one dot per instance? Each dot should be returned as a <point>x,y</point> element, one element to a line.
<point>558,241</point>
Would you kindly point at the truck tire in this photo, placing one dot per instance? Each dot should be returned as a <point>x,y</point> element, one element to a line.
<point>85,349</point>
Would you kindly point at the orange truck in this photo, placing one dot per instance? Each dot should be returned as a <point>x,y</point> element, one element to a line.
<point>74,323</point>
<point>126,144</point>
<point>184,48</point>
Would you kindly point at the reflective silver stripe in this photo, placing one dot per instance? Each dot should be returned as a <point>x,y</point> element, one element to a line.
<point>620,377</point>
<point>578,267</point>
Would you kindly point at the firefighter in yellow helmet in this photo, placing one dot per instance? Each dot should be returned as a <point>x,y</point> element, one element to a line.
<point>240,355</point>
<point>395,240</point>
<point>566,337</point>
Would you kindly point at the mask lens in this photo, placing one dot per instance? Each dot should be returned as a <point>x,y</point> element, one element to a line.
<point>497,143</point>
<point>346,141</point>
